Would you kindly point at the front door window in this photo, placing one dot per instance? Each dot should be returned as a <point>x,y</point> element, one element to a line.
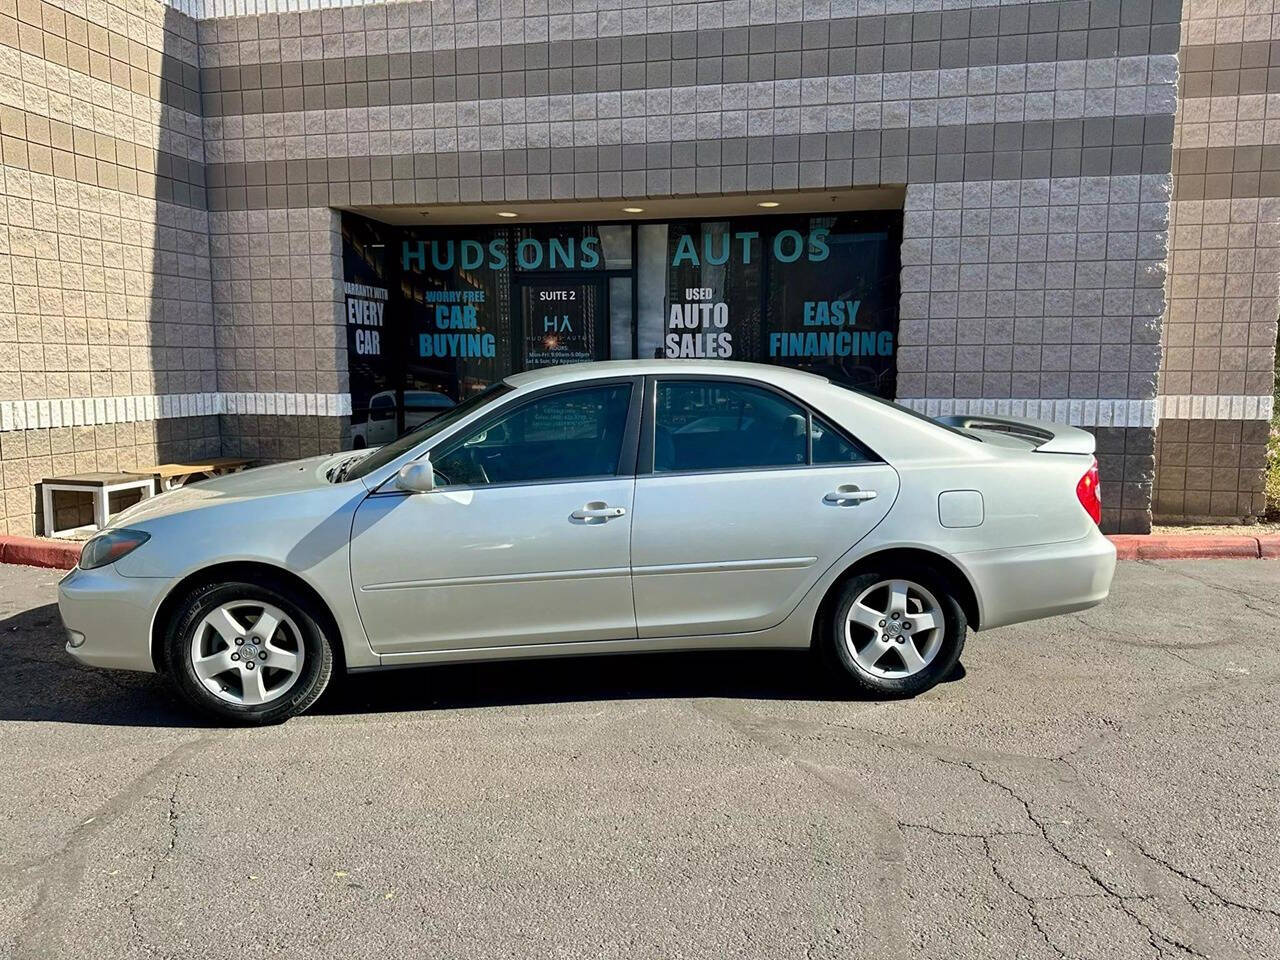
<point>567,435</point>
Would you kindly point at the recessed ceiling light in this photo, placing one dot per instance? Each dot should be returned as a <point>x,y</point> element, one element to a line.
<point>507,213</point>
<point>633,209</point>
<point>768,203</point>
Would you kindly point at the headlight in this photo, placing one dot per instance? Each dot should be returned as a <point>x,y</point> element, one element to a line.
<point>109,547</point>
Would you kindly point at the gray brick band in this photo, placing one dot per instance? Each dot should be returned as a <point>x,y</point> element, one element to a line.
<point>991,36</point>
<point>32,142</point>
<point>420,28</point>
<point>1221,173</point>
<point>1229,69</point>
<point>1095,147</point>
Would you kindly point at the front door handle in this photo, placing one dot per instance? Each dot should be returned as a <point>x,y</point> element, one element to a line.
<point>598,510</point>
<point>848,494</point>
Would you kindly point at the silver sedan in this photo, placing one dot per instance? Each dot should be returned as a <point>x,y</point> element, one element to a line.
<point>603,508</point>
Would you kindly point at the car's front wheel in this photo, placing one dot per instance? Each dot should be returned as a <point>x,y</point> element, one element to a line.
<point>248,653</point>
<point>894,633</point>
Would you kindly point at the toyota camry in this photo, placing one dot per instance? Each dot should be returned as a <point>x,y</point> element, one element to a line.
<point>603,508</point>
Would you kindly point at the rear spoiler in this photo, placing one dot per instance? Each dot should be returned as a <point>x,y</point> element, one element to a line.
<point>1045,436</point>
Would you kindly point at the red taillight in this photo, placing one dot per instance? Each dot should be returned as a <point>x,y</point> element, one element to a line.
<point>1089,492</point>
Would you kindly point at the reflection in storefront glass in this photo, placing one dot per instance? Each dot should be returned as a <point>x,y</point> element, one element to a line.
<point>621,317</point>
<point>456,323</point>
<point>366,296</point>
<point>615,239</point>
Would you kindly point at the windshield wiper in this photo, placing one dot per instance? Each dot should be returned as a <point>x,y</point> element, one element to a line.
<point>339,473</point>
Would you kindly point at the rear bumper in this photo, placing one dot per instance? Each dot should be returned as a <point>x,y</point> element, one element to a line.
<point>1027,583</point>
<point>113,614</point>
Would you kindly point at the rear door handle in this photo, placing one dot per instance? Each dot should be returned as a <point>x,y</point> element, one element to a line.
<point>598,510</point>
<point>848,494</point>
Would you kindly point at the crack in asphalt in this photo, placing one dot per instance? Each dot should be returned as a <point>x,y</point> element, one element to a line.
<point>960,834</point>
<point>61,873</point>
<point>889,854</point>
<point>1206,887</point>
<point>1243,594</point>
<point>1121,900</point>
<point>1029,901</point>
<point>764,733</point>
<point>131,902</point>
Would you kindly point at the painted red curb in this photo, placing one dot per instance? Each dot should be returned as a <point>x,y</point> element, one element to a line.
<point>1190,546</point>
<point>40,552</point>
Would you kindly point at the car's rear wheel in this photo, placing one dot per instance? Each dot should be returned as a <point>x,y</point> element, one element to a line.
<point>896,633</point>
<point>248,653</point>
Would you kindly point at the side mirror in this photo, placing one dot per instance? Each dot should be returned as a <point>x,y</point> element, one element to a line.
<point>417,476</point>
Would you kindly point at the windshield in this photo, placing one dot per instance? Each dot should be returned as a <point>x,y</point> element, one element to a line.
<point>411,438</point>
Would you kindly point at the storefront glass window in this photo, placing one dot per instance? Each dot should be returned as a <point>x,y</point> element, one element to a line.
<point>833,309</point>
<point>815,292</point>
<point>435,314</point>
<point>366,290</point>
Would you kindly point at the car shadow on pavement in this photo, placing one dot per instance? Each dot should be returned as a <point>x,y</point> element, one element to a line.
<point>42,682</point>
<point>729,674</point>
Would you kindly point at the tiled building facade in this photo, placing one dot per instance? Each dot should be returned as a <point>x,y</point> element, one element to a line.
<point>105,311</point>
<point>173,260</point>
<point>1224,276</point>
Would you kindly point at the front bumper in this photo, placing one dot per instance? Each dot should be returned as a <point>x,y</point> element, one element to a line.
<point>1027,583</point>
<point>114,615</point>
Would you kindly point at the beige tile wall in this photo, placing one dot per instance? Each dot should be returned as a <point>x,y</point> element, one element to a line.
<point>277,300</point>
<point>104,257</point>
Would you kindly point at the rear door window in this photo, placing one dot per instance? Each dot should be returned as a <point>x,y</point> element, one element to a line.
<point>710,425</point>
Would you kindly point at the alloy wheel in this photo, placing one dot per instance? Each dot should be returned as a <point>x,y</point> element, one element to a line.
<point>247,652</point>
<point>894,629</point>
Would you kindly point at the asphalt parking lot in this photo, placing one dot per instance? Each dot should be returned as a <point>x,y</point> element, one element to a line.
<point>1100,785</point>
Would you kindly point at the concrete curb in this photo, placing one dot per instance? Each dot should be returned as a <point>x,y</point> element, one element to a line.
<point>40,552</point>
<point>1192,546</point>
<point>64,554</point>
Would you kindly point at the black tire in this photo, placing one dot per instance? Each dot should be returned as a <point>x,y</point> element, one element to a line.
<point>317,660</point>
<point>852,672</point>
<point>359,443</point>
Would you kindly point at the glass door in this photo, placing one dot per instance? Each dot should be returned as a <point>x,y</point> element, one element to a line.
<point>563,319</point>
